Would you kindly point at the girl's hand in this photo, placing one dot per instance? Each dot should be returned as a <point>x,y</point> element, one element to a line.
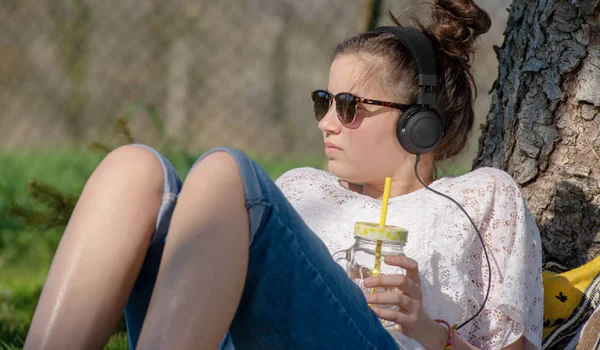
<point>410,318</point>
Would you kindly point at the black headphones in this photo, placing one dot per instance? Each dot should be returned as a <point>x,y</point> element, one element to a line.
<point>420,128</point>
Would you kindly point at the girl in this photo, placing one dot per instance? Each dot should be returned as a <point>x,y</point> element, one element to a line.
<point>245,263</point>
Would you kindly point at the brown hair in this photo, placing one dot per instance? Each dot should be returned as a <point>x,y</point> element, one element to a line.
<point>455,24</point>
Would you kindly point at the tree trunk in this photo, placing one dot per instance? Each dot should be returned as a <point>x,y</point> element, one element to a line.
<point>543,128</point>
<point>371,11</point>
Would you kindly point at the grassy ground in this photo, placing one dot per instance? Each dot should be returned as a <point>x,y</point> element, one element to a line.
<point>26,250</point>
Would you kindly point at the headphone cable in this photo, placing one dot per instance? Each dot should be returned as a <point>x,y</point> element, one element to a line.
<point>487,258</point>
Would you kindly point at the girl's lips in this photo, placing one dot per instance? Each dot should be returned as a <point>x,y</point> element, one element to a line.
<point>331,145</point>
<point>331,148</point>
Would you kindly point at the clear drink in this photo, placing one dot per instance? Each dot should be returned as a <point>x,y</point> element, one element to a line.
<point>360,260</point>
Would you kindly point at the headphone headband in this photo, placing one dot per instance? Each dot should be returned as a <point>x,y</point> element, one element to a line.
<point>421,50</point>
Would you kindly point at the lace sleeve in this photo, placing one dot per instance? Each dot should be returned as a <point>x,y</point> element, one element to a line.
<point>515,305</point>
<point>295,183</point>
<point>288,183</point>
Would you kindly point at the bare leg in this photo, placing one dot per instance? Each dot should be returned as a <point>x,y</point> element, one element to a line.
<point>204,264</point>
<point>100,253</point>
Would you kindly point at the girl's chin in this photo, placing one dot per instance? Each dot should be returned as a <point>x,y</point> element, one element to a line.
<point>340,170</point>
<point>332,167</point>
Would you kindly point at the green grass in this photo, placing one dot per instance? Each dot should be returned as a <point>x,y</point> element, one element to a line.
<point>26,251</point>
<point>117,342</point>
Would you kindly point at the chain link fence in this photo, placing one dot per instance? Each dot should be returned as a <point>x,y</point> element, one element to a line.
<point>234,73</point>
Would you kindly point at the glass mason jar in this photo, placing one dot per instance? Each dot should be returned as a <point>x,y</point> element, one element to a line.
<point>360,260</point>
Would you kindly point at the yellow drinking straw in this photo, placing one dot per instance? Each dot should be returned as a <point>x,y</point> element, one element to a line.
<point>384,206</point>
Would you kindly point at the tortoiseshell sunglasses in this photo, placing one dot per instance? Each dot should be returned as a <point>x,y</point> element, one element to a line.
<point>345,105</point>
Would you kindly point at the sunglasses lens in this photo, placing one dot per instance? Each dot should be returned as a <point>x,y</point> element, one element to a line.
<point>346,107</point>
<point>321,100</point>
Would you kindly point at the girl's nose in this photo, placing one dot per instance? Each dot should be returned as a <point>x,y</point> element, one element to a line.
<point>330,124</point>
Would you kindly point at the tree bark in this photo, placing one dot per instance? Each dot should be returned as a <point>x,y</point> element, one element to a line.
<point>543,128</point>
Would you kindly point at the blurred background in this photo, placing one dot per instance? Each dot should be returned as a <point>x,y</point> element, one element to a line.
<point>80,77</point>
<point>235,73</point>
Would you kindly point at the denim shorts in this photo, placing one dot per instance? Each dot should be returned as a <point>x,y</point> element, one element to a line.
<point>295,295</point>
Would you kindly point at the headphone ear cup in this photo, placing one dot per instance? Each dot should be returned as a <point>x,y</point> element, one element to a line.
<point>419,129</point>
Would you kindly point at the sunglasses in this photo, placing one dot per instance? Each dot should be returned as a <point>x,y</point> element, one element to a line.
<point>345,105</point>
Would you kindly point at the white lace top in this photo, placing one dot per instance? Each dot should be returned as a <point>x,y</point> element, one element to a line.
<point>441,239</point>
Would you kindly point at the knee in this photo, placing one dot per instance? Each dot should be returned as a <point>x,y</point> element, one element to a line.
<point>219,166</point>
<point>135,166</point>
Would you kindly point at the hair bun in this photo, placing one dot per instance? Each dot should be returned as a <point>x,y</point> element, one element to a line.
<point>456,24</point>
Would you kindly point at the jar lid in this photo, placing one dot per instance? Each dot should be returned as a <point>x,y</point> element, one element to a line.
<point>387,233</point>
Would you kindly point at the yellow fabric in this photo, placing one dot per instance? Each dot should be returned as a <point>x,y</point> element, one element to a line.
<point>564,291</point>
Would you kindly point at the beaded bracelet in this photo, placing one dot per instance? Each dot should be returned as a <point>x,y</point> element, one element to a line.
<point>451,333</point>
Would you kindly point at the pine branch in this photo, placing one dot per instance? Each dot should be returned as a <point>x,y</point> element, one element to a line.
<point>101,147</point>
<point>59,206</point>
<point>123,128</point>
<point>52,197</point>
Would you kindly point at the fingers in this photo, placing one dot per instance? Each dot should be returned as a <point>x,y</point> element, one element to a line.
<point>404,302</point>
<point>402,282</point>
<point>391,315</point>
<point>408,264</point>
<point>409,298</point>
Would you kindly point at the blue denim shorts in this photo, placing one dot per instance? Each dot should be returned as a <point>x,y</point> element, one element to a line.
<point>295,295</point>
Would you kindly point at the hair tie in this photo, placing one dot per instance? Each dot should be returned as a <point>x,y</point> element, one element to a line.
<point>451,333</point>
